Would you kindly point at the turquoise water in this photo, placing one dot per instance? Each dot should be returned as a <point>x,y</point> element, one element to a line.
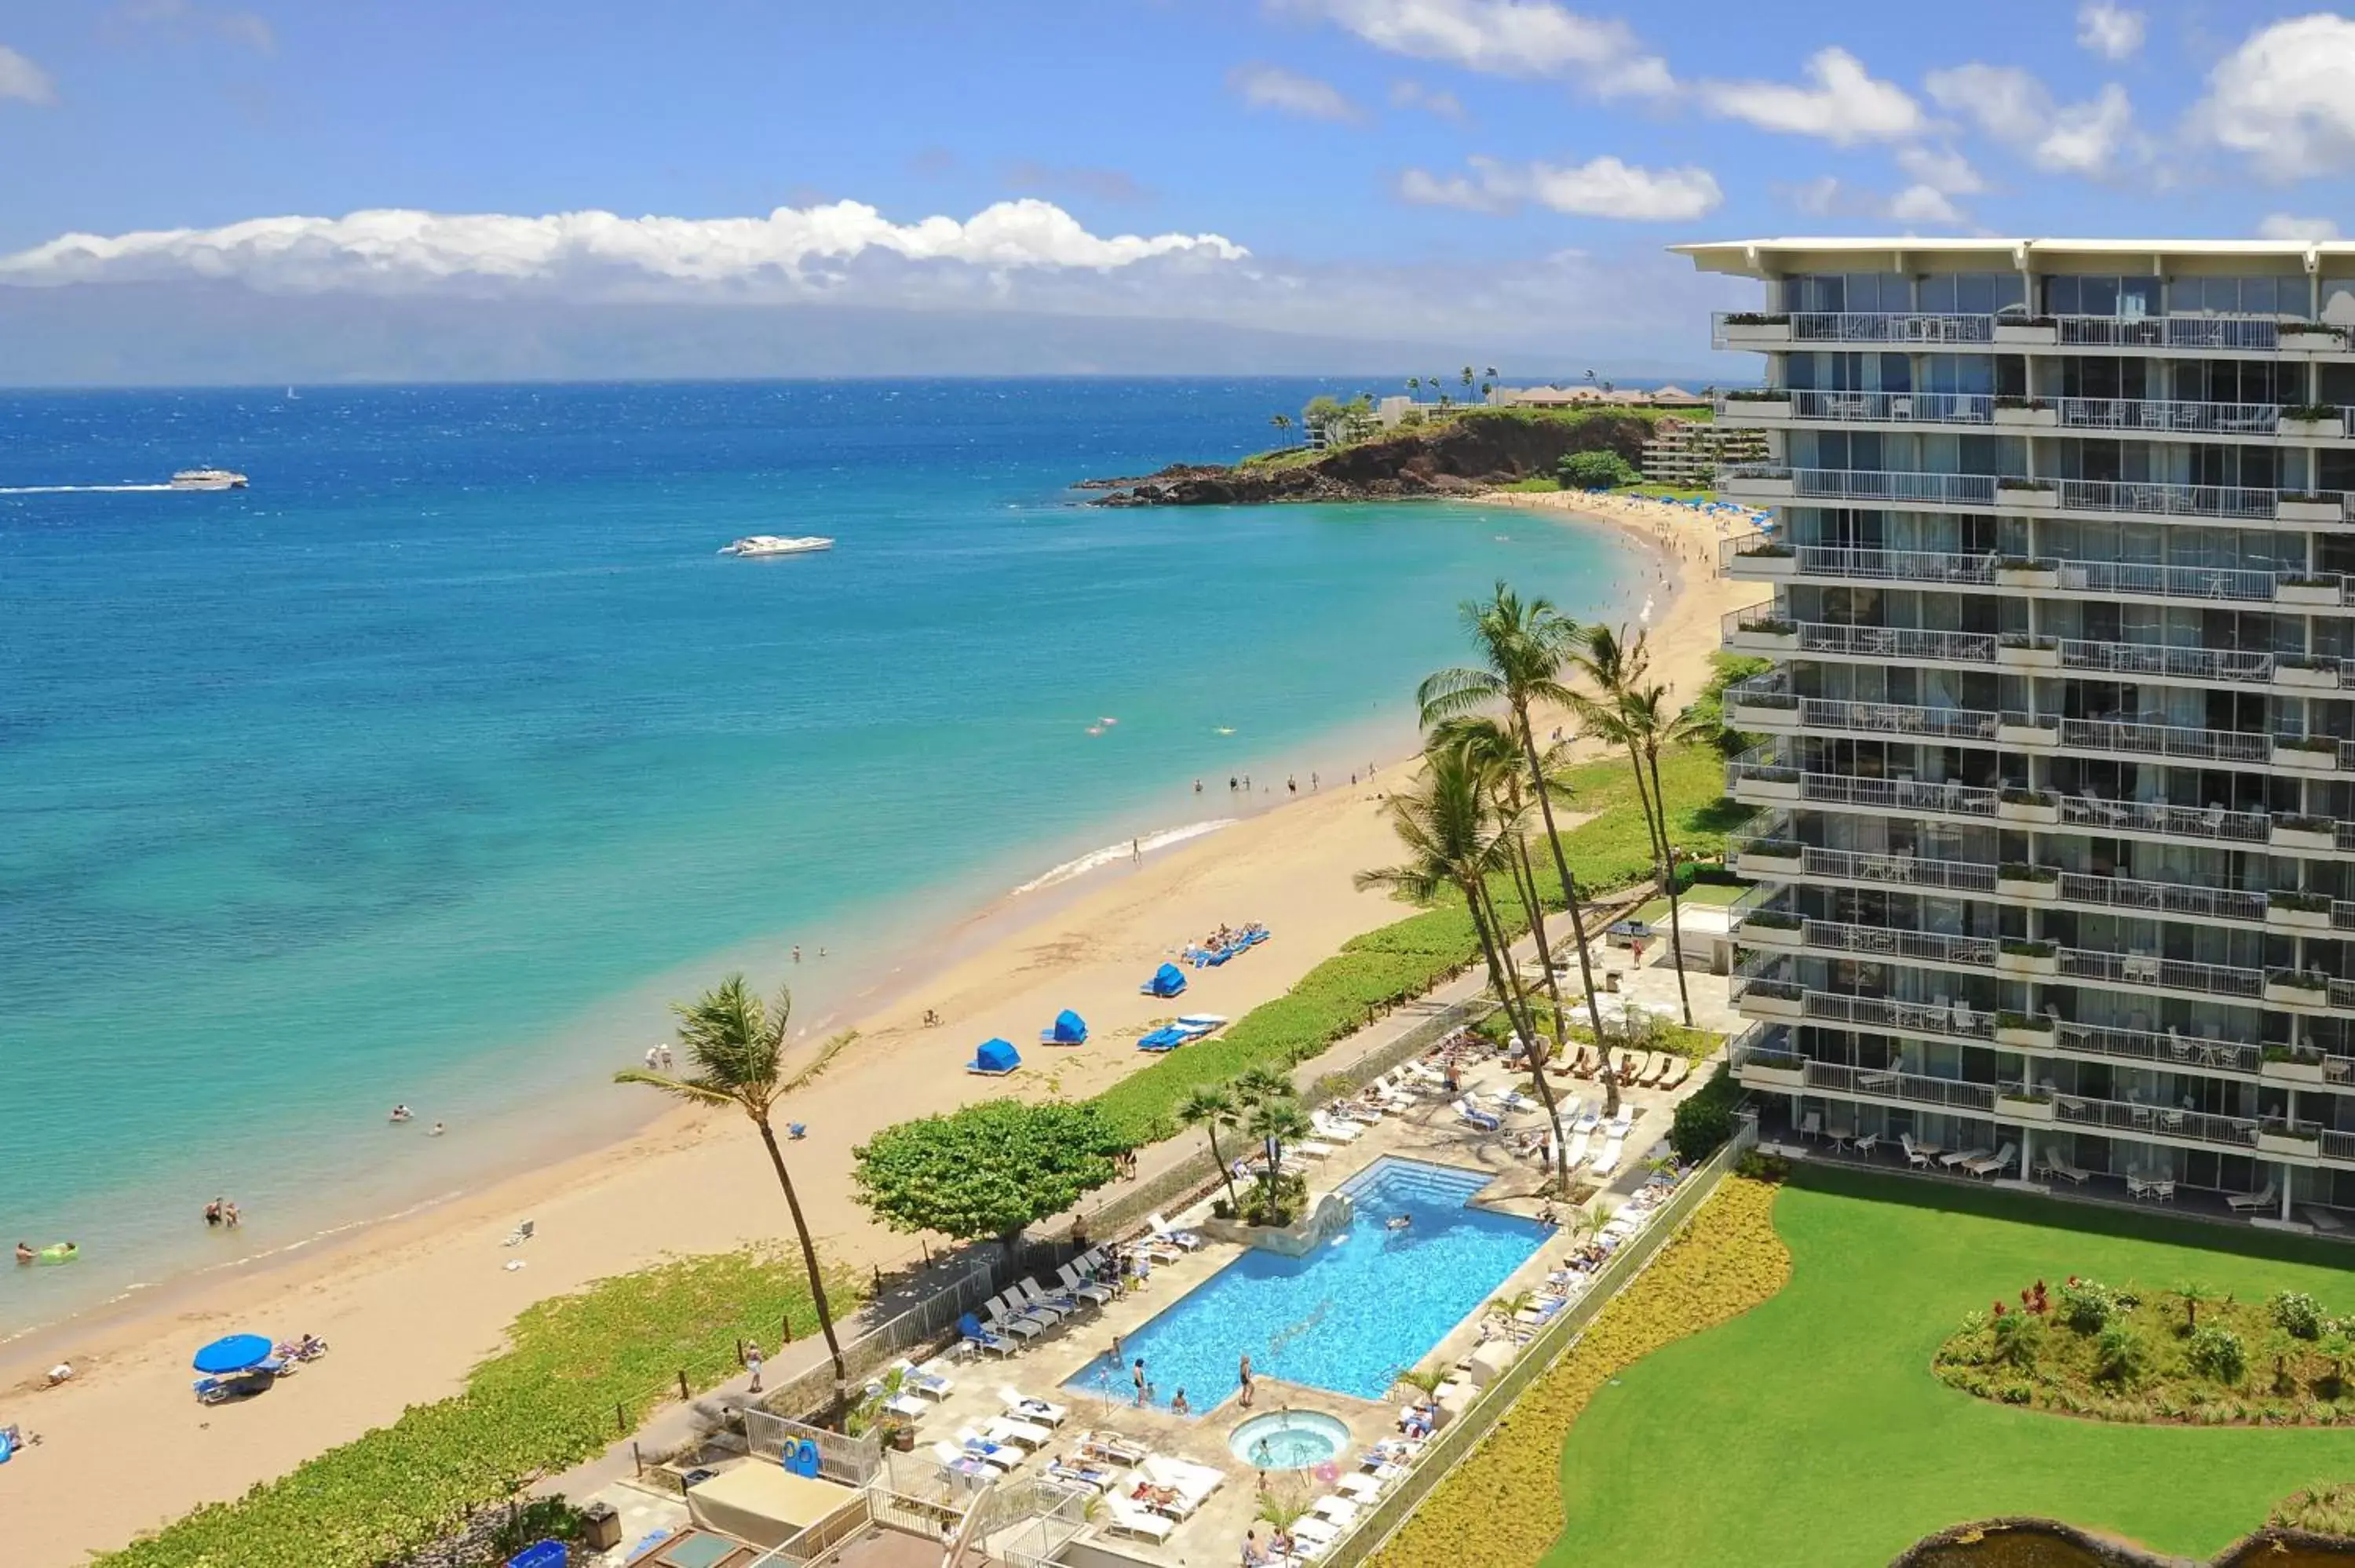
<point>430,767</point>
<point>1349,1317</point>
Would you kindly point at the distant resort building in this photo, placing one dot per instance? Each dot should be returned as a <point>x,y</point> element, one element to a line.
<point>1689,452</point>
<point>1393,412</point>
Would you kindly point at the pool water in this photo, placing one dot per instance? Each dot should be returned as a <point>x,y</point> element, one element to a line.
<point>1288,1439</point>
<point>1349,1318</point>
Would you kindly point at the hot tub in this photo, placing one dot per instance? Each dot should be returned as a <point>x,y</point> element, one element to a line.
<point>1289,1440</point>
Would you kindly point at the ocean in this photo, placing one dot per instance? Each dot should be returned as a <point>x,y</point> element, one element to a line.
<point>430,767</point>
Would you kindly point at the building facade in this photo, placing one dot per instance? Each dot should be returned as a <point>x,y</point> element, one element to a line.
<point>2055,840</point>
<point>1690,452</point>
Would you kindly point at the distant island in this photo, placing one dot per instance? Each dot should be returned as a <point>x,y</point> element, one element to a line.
<point>1361,451</point>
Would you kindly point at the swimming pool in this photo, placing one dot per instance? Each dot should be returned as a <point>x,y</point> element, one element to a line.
<point>1348,1317</point>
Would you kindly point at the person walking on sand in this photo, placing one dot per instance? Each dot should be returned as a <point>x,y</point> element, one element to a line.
<point>1135,849</point>
<point>752,1360</point>
<point>1243,1376</point>
<point>797,952</point>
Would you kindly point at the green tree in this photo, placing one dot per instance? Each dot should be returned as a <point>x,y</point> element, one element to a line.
<point>1210,1109</point>
<point>1494,753</point>
<point>2335,1347</point>
<point>1523,646</point>
<point>1595,471</point>
<point>1275,1123</point>
<point>735,1046</point>
<point>2193,1293</point>
<point>986,1171</point>
<point>1425,1380</point>
<point>1650,726</point>
<point>1283,423</point>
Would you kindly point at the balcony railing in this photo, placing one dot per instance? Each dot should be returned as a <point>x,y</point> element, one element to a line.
<point>1891,1084</point>
<point>2142,1046</point>
<point>2166,740</point>
<point>1896,566</point>
<point>1909,643</point>
<point>2336,1145</point>
<point>2158,581</point>
<point>2163,897</point>
<point>2168,417</point>
<point>2138,970</point>
<point>2173,821</point>
<point>2156,659</point>
<point>2255,332</point>
<point>1902,486</point>
<point>1889,942</point>
<point>2167,500</point>
<point>1897,718</point>
<point>1861,326</point>
<point>1914,644</point>
<point>2119,1115</point>
<point>1953,1020</point>
<point>1892,408</point>
<point>1885,794</point>
<point>1900,870</point>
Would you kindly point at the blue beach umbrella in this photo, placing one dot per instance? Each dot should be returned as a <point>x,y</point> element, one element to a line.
<point>1069,1029</point>
<point>235,1353</point>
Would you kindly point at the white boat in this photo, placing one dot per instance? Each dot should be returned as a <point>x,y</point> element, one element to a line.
<point>772,544</point>
<point>208,479</point>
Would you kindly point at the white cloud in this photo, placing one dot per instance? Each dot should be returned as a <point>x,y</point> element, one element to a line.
<point>792,251</point>
<point>1843,104</point>
<point>2289,225</point>
<point>1430,100</point>
<point>1829,197</point>
<point>1501,38</point>
<point>1600,187</point>
<point>1288,92</point>
<point>1923,204</point>
<point>2012,107</point>
<point>2109,30</point>
<point>1941,169</point>
<point>21,79</point>
<point>2286,99</point>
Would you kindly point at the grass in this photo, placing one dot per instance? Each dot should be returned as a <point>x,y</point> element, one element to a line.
<point>1812,1431</point>
<point>1284,457</point>
<point>1536,484</point>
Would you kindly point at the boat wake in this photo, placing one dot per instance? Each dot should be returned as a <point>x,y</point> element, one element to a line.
<point>1119,851</point>
<point>84,489</point>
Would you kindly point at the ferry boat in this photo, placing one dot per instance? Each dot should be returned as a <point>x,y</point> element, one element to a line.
<point>772,544</point>
<point>208,479</point>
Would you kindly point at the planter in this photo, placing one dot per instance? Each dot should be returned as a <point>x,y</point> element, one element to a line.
<point>1758,1004</point>
<point>2307,593</point>
<point>1762,718</point>
<point>1754,864</point>
<point>2332,511</point>
<point>2016,658</point>
<point>2027,334</point>
<point>2027,887</point>
<point>2281,1143</point>
<point>1756,334</point>
<point>2307,676</point>
<point>2291,1072</point>
<point>1327,1218</point>
<point>1748,641</point>
<point>2035,736</point>
<point>2026,577</point>
<point>2296,998</point>
<point>1758,487</point>
<point>1789,1080</point>
<point>1778,938</point>
<point>1781,790</point>
<point>2305,758</point>
<point>2309,339</point>
<point>2034,813</point>
<point>2015,498</point>
<point>2301,839</point>
<point>2034,418</point>
<point>2026,964</point>
<point>2034,1112</point>
<point>2017,1038</point>
<point>1756,410</point>
<point>2311,430</point>
<point>1750,569</point>
<point>2280,917</point>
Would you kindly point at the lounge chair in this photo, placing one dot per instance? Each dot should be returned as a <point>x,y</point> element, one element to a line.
<point>1573,1152</point>
<point>1339,1510</point>
<point>520,1235</point>
<point>907,1402</point>
<point>1006,1315</point>
<point>1112,1447</point>
<point>1194,1481</point>
<point>1962,1157</point>
<point>2057,1164</point>
<point>1159,1226</point>
<point>2246,1202</point>
<point>1680,1069</point>
<point>1100,1477</point>
<point>1036,1305</point>
<point>1608,1160</point>
<point>932,1380</point>
<point>1010,1432</point>
<point>1083,1287</point>
<point>1655,1067</point>
<point>1022,1407</point>
<point>1993,1163</point>
<point>1333,1128</point>
<point>1362,1488</point>
<point>956,1461</point>
<point>2327,1221</point>
<point>1126,1518</point>
<point>1153,1249</point>
<point>1004,1455</point>
<point>1914,1157</point>
<point>977,1336</point>
<point>1310,1528</point>
<point>1469,1112</point>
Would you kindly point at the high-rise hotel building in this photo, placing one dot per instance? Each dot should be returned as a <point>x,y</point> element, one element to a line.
<point>2055,778</point>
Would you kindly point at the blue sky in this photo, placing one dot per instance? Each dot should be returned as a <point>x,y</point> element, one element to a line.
<point>1425,170</point>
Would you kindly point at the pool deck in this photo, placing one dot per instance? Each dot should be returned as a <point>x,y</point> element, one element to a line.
<point>1430,1132</point>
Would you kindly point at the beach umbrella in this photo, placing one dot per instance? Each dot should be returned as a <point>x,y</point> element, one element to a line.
<point>996,1056</point>
<point>1069,1029</point>
<point>233,1353</point>
<point>1167,980</point>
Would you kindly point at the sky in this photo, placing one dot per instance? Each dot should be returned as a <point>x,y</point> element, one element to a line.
<point>1306,180</point>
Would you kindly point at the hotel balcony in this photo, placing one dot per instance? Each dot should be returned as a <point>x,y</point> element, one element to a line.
<point>2094,498</point>
<point>1760,630</point>
<point>2236,334</point>
<point>1758,557</point>
<point>2156,417</point>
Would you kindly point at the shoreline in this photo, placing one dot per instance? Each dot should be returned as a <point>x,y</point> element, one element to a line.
<point>618,1205</point>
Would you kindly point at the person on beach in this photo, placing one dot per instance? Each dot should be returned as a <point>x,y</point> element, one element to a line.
<point>1135,849</point>
<point>1243,1377</point>
<point>752,1360</point>
<point>653,1058</point>
<point>24,1252</point>
<point>212,1212</point>
<point>1140,1382</point>
<point>228,1216</point>
<point>797,952</point>
<point>436,1130</point>
<point>401,1113</point>
<point>665,1049</point>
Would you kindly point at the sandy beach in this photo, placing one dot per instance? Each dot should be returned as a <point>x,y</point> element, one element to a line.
<point>410,1305</point>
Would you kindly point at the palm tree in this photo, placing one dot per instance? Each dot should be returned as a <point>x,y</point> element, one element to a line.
<point>1283,423</point>
<point>1490,373</point>
<point>1650,726</point>
<point>736,1044</point>
<point>1513,1306</point>
<point>1523,646</point>
<point>2193,1293</point>
<point>1468,378</point>
<point>1425,1380</point>
<point>1256,1085</point>
<point>1414,382</point>
<point>1276,1122</point>
<point>1211,1108</point>
<point>1452,841</point>
<point>1622,712</point>
<point>1495,755</point>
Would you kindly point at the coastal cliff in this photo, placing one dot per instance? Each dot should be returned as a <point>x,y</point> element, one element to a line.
<point>1476,449</point>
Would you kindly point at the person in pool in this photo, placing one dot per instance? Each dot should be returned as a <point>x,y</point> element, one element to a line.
<point>24,1252</point>
<point>1399,1222</point>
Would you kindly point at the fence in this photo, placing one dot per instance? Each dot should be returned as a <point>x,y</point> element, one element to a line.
<point>853,1461</point>
<point>925,1324</point>
<point>808,1545</point>
<point>1456,1440</point>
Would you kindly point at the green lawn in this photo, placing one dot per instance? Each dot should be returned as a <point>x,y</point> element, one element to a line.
<point>1811,1433</point>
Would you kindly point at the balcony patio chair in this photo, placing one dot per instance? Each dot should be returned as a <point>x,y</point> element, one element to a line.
<point>1963,1156</point>
<point>2246,1202</point>
<point>1994,1163</point>
<point>2139,1188</point>
<point>1811,1125</point>
<point>1868,1143</point>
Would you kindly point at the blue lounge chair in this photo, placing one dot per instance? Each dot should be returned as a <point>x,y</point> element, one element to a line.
<point>1169,1037</point>
<point>980,1338</point>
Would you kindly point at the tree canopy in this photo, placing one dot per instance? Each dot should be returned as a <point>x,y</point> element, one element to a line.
<point>986,1171</point>
<point>1597,471</point>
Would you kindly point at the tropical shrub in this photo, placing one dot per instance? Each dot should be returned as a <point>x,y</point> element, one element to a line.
<point>2086,1305</point>
<point>1705,1119</point>
<point>2119,1355</point>
<point>2296,1314</point>
<point>2216,1352</point>
<point>1503,1505</point>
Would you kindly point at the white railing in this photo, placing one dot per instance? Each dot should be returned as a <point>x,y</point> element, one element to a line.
<point>1885,794</point>
<point>1862,326</point>
<point>1902,870</point>
<point>2165,740</point>
<point>2163,897</point>
<point>1897,565</point>
<point>1909,643</point>
<point>2168,416</point>
<point>1896,485</point>
<point>2261,332</point>
<point>1897,718</point>
<point>2140,971</point>
<point>1888,941</point>
<point>2173,821</point>
<point>1963,1022</point>
<point>2119,1116</point>
<point>1894,408</point>
<point>2167,500</point>
<point>2151,579</point>
<point>2141,1046</point>
<point>1889,1084</point>
<point>2156,659</point>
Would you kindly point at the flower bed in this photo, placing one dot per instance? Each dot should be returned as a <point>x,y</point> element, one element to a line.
<point>1501,1508</point>
<point>2157,1356</point>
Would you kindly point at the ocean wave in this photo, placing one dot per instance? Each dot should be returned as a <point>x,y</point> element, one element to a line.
<point>1111,853</point>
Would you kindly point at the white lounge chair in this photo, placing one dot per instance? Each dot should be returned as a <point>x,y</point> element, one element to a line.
<point>1036,1304</point>
<point>1112,1447</point>
<point>989,1451</point>
<point>934,1378</point>
<point>1993,1163</point>
<point>956,1460</point>
<point>1008,1431</point>
<point>1022,1407</point>
<point>1333,1128</point>
<point>1339,1510</point>
<point>1322,1531</point>
<point>2058,1164</point>
<point>1914,1157</point>
<point>1159,1226</point>
<point>1573,1152</point>
<point>1191,1480</point>
<point>1608,1160</point>
<point>1079,1285</point>
<point>1126,1518</point>
<point>2244,1202</point>
<point>1467,1111</point>
<point>1962,1157</point>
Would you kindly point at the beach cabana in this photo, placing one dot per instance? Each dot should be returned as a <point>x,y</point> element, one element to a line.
<point>1167,980</point>
<point>1069,1029</point>
<point>995,1059</point>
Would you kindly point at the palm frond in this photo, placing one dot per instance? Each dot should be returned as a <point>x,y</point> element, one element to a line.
<point>835,1046</point>
<point>695,1089</point>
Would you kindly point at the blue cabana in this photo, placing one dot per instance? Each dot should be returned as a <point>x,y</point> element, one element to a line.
<point>1069,1029</point>
<point>1167,980</point>
<point>995,1059</point>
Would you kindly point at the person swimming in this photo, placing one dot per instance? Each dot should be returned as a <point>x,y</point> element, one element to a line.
<point>1399,1223</point>
<point>24,1252</point>
<point>401,1113</point>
